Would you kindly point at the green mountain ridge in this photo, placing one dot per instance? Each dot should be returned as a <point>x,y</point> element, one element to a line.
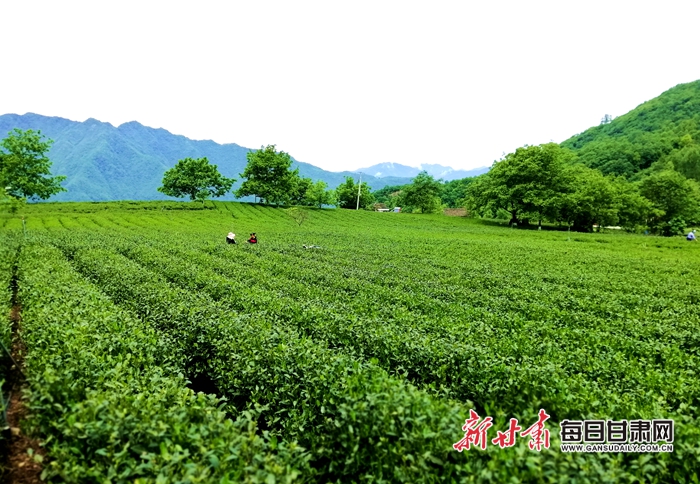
<point>666,128</point>
<point>104,163</point>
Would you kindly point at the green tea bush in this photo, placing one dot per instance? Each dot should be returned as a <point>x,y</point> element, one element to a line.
<point>8,254</point>
<point>331,404</point>
<point>106,397</point>
<point>357,422</point>
<point>324,346</point>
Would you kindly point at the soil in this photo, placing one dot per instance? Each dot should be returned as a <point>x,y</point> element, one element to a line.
<point>19,466</point>
<point>455,212</point>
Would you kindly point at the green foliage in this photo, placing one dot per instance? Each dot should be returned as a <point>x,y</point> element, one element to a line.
<point>367,352</point>
<point>675,198</point>
<point>588,198</point>
<point>300,190</point>
<point>686,159</point>
<point>268,177</point>
<point>319,195</point>
<point>8,254</point>
<point>423,193</point>
<point>633,210</point>
<point>24,166</point>
<point>388,195</point>
<point>658,129</point>
<point>346,195</point>
<point>543,182</point>
<point>195,178</point>
<point>453,192</point>
<point>107,397</point>
<point>10,204</point>
<point>332,404</point>
<point>526,181</point>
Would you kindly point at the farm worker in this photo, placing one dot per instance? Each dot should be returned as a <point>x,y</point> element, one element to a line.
<point>253,239</point>
<point>691,236</point>
<point>231,238</point>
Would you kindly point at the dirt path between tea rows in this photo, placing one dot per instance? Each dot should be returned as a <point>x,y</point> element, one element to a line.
<point>19,466</point>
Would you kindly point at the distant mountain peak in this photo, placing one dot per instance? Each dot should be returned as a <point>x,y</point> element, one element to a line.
<point>390,169</point>
<point>93,121</point>
<point>129,124</point>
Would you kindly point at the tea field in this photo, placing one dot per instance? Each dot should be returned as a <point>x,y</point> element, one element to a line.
<point>156,352</point>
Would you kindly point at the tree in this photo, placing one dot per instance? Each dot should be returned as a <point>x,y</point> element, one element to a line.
<point>300,189</point>
<point>454,191</point>
<point>527,181</point>
<point>588,198</point>
<point>24,166</point>
<point>423,193</point>
<point>319,195</point>
<point>675,198</point>
<point>478,198</point>
<point>9,203</point>
<point>196,178</point>
<point>634,210</point>
<point>388,195</point>
<point>268,176</point>
<point>346,194</point>
<point>612,156</point>
<point>686,160</point>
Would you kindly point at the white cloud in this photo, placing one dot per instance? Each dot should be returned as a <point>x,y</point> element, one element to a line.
<point>345,85</point>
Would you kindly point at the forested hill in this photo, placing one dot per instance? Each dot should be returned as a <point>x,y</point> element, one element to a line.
<point>103,162</point>
<point>666,128</point>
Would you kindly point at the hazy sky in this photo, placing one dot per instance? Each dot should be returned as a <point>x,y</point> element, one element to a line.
<point>343,85</point>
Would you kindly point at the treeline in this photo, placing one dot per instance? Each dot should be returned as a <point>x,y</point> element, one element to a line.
<point>269,178</point>
<point>425,194</point>
<point>550,183</point>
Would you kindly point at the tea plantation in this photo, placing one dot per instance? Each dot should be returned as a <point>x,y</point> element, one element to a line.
<point>156,352</point>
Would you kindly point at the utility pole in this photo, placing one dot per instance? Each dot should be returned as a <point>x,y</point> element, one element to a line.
<point>359,187</point>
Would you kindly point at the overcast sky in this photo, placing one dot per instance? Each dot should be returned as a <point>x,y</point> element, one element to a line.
<point>344,85</point>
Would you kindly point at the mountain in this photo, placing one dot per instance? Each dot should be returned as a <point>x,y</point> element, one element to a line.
<point>103,162</point>
<point>666,129</point>
<point>383,170</point>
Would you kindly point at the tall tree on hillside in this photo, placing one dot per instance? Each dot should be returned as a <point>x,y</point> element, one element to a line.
<point>268,175</point>
<point>195,178</point>
<point>686,159</point>
<point>346,194</point>
<point>24,166</point>
<point>423,193</point>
